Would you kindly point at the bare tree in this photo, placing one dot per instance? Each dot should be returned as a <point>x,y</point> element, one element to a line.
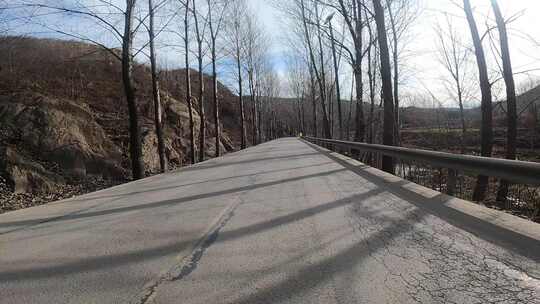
<point>511,110</point>
<point>189,97</point>
<point>236,35</point>
<point>270,89</point>
<point>163,163</point>
<point>386,76</point>
<point>395,62</point>
<point>352,15</point>
<point>298,82</point>
<point>372,81</point>
<point>485,87</point>
<point>200,29</point>
<point>318,71</point>
<point>216,12</point>
<point>401,15</point>
<point>350,106</point>
<point>301,38</point>
<point>454,58</point>
<point>336,72</point>
<point>256,43</point>
<point>321,74</point>
<point>313,98</point>
<point>137,165</point>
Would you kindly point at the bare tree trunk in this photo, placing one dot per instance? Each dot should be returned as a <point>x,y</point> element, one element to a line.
<point>338,91</point>
<point>255,114</point>
<point>313,100</point>
<point>217,129</point>
<point>298,113</point>
<point>322,91</point>
<point>350,110</point>
<point>214,26</point>
<point>188,87</point>
<point>511,111</point>
<point>239,44</point>
<point>386,75</point>
<point>254,121</point>
<point>353,20</point>
<point>137,164</point>
<point>371,79</point>
<point>359,114</point>
<point>322,79</point>
<point>485,87</point>
<point>163,163</point>
<point>396,71</point>
<point>302,115</point>
<point>360,123</point>
<point>462,117</point>
<point>241,100</point>
<point>202,128</point>
<point>260,130</point>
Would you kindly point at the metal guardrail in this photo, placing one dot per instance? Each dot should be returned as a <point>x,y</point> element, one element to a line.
<point>522,172</point>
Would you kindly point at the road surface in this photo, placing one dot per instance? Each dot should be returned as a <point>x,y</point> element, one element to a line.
<point>282,222</point>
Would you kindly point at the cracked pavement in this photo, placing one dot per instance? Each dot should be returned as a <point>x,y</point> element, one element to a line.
<point>282,222</point>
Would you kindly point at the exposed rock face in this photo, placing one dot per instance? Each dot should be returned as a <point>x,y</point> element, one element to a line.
<point>67,134</point>
<point>60,131</point>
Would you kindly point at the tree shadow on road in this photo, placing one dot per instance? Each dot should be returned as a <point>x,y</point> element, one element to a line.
<point>176,186</point>
<point>487,231</point>
<point>223,162</point>
<point>116,260</point>
<point>315,274</point>
<point>170,202</point>
<point>311,275</point>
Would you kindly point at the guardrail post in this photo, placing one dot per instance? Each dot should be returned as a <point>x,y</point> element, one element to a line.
<point>451,182</point>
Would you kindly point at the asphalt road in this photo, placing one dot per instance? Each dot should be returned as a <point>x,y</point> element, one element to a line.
<point>282,222</point>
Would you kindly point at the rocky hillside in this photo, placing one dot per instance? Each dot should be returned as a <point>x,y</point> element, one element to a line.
<point>63,120</point>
